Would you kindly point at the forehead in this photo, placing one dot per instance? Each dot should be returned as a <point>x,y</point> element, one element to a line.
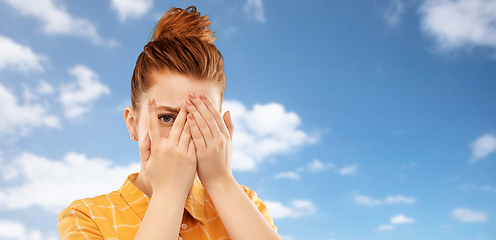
<point>173,89</point>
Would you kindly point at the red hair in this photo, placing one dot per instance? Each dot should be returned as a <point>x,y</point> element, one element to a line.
<point>182,43</point>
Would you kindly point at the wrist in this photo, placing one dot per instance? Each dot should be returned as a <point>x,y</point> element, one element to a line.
<point>220,184</point>
<point>172,197</point>
<point>175,191</point>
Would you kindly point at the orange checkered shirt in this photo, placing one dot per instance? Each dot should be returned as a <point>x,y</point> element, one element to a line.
<point>118,215</point>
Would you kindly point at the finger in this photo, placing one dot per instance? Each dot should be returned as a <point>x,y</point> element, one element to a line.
<point>153,120</point>
<point>185,138</point>
<point>215,113</point>
<point>229,123</point>
<point>144,149</point>
<point>207,114</point>
<point>191,148</point>
<point>178,126</point>
<point>197,136</point>
<point>200,122</point>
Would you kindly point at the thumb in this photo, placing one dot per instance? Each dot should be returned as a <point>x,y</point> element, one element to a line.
<point>144,149</point>
<point>229,124</point>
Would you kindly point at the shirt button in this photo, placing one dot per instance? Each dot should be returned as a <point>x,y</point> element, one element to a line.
<point>184,226</point>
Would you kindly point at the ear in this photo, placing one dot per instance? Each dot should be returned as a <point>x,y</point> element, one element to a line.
<point>130,118</point>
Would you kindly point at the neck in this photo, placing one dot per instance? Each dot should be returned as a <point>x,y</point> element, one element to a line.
<point>142,183</point>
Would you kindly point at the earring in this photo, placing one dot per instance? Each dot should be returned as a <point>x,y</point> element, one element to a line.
<point>133,137</point>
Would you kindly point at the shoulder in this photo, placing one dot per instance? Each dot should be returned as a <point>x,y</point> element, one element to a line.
<point>250,193</point>
<point>85,205</point>
<point>254,198</point>
<point>259,204</point>
<point>78,219</point>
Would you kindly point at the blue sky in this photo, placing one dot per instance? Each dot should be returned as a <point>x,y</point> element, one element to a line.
<point>354,119</point>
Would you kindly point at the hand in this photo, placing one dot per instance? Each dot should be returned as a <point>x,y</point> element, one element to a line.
<point>169,163</point>
<point>212,136</point>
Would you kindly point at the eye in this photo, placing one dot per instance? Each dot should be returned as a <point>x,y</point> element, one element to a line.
<point>167,118</point>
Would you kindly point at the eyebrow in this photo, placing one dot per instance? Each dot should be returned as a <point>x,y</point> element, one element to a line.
<point>169,109</point>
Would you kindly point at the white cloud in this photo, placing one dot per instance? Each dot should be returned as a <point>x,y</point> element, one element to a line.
<point>348,170</point>
<point>486,188</point>
<point>131,8</point>
<point>369,201</point>
<point>18,120</point>
<point>120,108</point>
<point>31,95</point>
<point>399,199</point>
<point>385,227</point>
<point>460,23</point>
<point>53,185</point>
<point>255,10</point>
<point>289,175</point>
<point>398,219</point>
<point>297,209</point>
<point>19,57</point>
<point>56,20</point>
<point>262,132</point>
<point>44,88</point>
<point>398,131</point>
<point>467,215</point>
<point>401,219</point>
<point>482,147</point>
<point>318,166</point>
<point>13,230</point>
<point>230,31</point>
<point>394,12</point>
<point>77,97</point>
<point>410,165</point>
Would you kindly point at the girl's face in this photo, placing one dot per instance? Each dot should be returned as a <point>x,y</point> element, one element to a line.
<point>170,92</point>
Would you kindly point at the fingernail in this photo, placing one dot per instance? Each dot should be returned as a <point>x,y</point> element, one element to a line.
<point>192,95</point>
<point>150,101</point>
<point>190,117</point>
<point>188,102</point>
<point>203,96</point>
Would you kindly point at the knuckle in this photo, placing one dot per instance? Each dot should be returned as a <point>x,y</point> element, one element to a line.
<point>218,149</point>
<point>202,124</point>
<point>167,148</point>
<point>209,118</point>
<point>157,152</point>
<point>212,151</point>
<point>178,125</point>
<point>180,154</point>
<point>187,131</point>
<point>196,135</point>
<point>192,110</point>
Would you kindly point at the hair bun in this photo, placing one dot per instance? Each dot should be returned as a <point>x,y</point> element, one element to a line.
<point>179,22</point>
